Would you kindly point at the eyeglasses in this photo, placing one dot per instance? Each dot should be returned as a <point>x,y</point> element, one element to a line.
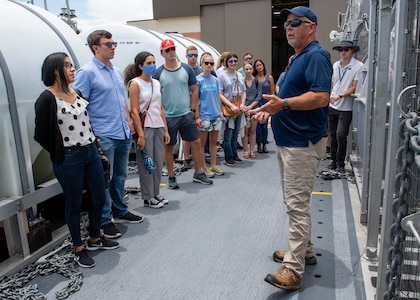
<point>233,61</point>
<point>208,63</point>
<point>192,55</point>
<point>295,23</point>
<point>343,49</point>
<point>169,49</point>
<point>68,65</point>
<point>247,58</point>
<point>110,44</point>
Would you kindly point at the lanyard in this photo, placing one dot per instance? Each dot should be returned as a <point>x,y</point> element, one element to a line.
<point>344,73</point>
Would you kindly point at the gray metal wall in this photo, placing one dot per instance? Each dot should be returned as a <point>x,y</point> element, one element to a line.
<point>239,27</point>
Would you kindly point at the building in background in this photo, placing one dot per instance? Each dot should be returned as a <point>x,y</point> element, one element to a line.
<point>242,25</point>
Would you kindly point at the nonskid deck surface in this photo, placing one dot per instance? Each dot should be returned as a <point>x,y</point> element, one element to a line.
<point>216,242</point>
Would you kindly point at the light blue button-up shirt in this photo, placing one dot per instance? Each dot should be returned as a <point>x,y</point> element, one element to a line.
<point>104,89</point>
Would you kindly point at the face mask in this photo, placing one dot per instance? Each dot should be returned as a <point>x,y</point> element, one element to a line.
<point>149,69</point>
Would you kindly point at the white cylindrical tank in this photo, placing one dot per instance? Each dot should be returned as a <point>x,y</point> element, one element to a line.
<point>28,35</point>
<point>132,40</point>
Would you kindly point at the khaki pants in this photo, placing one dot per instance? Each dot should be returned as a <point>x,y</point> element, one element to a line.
<point>298,169</point>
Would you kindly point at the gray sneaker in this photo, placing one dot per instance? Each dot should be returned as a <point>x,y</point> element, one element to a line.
<point>172,182</point>
<point>202,178</point>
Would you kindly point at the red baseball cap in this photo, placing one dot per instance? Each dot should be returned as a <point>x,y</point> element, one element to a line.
<point>166,44</point>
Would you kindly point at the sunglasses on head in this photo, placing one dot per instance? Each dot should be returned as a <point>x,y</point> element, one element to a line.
<point>295,23</point>
<point>110,44</point>
<point>208,63</point>
<point>343,49</point>
<point>169,49</point>
<point>192,55</point>
<point>233,61</point>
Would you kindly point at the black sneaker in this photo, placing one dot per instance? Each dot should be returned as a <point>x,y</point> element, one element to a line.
<point>172,183</point>
<point>332,166</point>
<point>161,199</point>
<point>153,203</point>
<point>230,163</point>
<point>201,178</point>
<point>238,160</point>
<point>83,259</point>
<point>110,231</point>
<point>129,218</point>
<point>102,244</point>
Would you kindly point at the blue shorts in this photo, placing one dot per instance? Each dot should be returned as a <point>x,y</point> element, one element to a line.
<point>185,125</point>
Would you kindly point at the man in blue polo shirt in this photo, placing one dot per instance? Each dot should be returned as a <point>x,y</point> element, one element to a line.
<point>103,85</point>
<point>299,122</point>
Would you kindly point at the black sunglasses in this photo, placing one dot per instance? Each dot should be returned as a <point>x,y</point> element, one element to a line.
<point>343,49</point>
<point>295,23</point>
<point>169,49</point>
<point>110,44</point>
<point>208,63</point>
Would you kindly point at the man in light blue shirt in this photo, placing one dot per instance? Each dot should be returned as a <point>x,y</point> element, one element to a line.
<point>102,85</point>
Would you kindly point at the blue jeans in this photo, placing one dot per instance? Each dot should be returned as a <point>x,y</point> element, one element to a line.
<point>262,133</point>
<point>117,152</point>
<point>339,126</point>
<point>230,139</point>
<point>81,168</point>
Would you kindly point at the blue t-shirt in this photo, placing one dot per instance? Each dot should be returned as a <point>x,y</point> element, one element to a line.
<point>208,97</point>
<point>175,86</point>
<point>311,70</point>
<point>105,91</point>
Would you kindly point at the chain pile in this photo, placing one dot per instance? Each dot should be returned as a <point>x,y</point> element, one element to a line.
<point>407,154</point>
<point>60,260</point>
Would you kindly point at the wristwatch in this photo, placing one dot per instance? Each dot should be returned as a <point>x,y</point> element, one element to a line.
<point>286,104</point>
<point>340,95</point>
<point>193,110</point>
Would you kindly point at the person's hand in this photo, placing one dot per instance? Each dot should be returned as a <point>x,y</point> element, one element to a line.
<point>198,121</point>
<point>261,116</point>
<point>141,142</point>
<point>334,98</point>
<point>166,138</point>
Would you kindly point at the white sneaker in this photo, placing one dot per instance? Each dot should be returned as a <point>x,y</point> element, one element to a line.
<point>153,203</point>
<point>161,199</point>
<point>209,173</point>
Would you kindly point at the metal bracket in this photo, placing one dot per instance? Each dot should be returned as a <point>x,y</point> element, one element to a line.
<point>411,223</point>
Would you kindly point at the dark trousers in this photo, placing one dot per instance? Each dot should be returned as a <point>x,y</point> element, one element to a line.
<point>338,126</point>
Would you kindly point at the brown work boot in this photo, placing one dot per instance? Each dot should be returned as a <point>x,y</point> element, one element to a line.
<point>278,256</point>
<point>284,278</point>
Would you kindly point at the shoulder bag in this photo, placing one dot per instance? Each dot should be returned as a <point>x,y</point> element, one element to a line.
<point>226,110</point>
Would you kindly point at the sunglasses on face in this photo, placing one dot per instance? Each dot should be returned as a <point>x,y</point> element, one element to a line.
<point>208,63</point>
<point>110,44</point>
<point>295,23</point>
<point>247,58</point>
<point>343,49</point>
<point>68,65</point>
<point>192,55</point>
<point>170,49</point>
<point>233,61</point>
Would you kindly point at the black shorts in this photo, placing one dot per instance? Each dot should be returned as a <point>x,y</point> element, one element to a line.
<point>185,125</point>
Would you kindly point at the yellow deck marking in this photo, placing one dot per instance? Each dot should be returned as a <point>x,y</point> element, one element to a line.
<point>322,193</point>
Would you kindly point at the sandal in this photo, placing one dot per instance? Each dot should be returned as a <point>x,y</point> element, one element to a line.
<point>253,155</point>
<point>246,155</point>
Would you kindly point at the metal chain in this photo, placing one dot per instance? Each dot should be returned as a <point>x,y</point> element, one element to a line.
<point>62,262</point>
<point>407,154</point>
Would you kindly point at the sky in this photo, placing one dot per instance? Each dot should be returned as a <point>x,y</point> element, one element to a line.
<point>93,12</point>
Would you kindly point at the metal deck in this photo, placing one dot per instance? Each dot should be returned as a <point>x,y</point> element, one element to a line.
<point>216,242</point>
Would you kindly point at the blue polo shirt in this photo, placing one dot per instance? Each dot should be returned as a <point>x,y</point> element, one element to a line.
<point>311,70</point>
<point>105,91</point>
